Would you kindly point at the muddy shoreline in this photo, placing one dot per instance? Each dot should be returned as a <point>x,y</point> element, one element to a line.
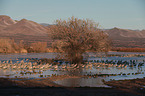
<point>135,86</point>
<point>47,87</point>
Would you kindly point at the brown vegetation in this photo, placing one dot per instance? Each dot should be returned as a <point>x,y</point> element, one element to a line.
<point>9,46</point>
<point>129,49</point>
<point>74,36</point>
<point>38,47</point>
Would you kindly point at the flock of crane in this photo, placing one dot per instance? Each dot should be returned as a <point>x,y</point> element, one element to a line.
<point>25,66</point>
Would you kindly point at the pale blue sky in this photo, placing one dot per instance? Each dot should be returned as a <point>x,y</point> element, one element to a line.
<point>127,14</point>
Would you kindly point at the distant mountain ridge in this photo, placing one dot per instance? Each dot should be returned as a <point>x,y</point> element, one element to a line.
<point>10,27</point>
<point>44,24</point>
<point>30,31</point>
<point>26,30</point>
<point>126,37</point>
<point>125,33</point>
<point>6,20</point>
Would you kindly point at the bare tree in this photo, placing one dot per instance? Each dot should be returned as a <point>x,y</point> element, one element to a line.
<point>74,36</point>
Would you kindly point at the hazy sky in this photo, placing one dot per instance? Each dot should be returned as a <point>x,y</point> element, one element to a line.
<point>127,14</point>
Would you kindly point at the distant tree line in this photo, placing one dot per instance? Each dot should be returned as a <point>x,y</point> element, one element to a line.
<point>129,49</point>
<point>9,46</point>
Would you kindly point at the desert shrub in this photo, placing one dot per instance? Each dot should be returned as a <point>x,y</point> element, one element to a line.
<point>8,46</point>
<point>38,47</point>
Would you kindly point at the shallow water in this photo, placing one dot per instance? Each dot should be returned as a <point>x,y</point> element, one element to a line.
<point>26,55</point>
<point>120,73</point>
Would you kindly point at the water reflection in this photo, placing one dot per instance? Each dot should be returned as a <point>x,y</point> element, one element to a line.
<point>82,82</point>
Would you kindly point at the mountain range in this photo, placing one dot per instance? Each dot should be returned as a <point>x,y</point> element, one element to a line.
<point>126,38</point>
<point>26,30</point>
<point>30,31</point>
<point>9,27</point>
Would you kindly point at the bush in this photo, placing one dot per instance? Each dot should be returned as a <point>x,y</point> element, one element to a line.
<point>38,47</point>
<point>8,46</point>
